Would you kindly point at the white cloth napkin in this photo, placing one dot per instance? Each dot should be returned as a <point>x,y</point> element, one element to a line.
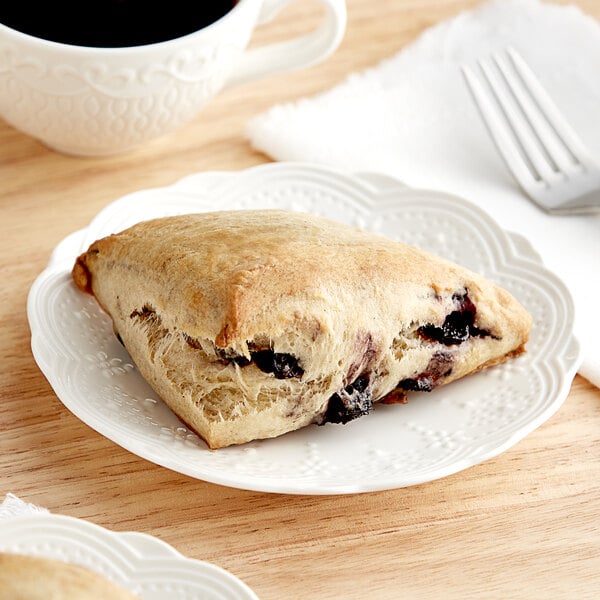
<point>412,117</point>
<point>12,506</point>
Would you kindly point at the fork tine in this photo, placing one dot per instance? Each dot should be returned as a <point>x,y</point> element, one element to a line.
<point>528,143</point>
<point>550,144</point>
<point>563,130</point>
<point>506,145</point>
<point>513,104</point>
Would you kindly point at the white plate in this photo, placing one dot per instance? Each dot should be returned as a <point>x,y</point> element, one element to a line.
<point>432,436</point>
<point>138,562</point>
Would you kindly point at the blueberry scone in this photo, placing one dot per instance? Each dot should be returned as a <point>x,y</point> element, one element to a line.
<point>253,323</point>
<point>25,577</point>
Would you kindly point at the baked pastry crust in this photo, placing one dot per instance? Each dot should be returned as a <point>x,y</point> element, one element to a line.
<point>253,323</point>
<point>24,577</point>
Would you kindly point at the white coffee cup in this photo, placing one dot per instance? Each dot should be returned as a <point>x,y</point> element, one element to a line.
<point>93,101</point>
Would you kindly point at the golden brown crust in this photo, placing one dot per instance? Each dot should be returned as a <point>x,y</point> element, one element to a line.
<point>246,267</point>
<point>81,275</point>
<point>25,577</point>
<point>192,296</point>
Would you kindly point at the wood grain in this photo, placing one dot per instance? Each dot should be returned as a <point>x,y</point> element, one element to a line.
<point>523,525</point>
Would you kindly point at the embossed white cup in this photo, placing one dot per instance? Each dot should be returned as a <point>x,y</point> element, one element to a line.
<point>94,101</point>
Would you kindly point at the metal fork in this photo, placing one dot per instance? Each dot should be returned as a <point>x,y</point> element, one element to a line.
<point>540,148</point>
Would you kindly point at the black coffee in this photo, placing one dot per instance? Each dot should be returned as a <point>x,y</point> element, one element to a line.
<point>111,23</point>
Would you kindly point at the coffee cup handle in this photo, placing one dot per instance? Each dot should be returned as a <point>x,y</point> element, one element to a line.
<point>297,53</point>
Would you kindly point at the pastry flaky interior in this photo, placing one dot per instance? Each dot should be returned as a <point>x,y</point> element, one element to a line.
<point>25,577</point>
<point>253,323</point>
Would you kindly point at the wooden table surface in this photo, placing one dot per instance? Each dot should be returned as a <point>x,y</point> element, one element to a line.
<point>523,525</point>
